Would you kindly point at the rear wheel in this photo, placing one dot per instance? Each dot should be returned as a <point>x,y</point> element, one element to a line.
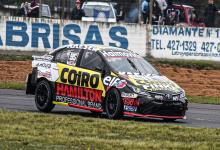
<point>43,97</point>
<point>113,104</point>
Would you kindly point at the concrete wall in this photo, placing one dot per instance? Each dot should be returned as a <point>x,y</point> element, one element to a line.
<point>35,34</point>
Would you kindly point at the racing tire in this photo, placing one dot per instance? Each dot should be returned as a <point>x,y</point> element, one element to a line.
<point>43,97</point>
<point>113,104</point>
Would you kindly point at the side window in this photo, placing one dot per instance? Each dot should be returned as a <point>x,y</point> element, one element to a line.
<point>67,56</point>
<point>92,61</point>
<point>61,57</point>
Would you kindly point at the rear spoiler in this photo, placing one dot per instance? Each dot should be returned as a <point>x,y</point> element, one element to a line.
<point>44,57</point>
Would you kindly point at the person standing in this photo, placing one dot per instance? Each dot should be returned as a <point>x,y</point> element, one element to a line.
<point>23,9</point>
<point>145,10</point>
<point>210,14</point>
<point>77,12</point>
<point>34,9</point>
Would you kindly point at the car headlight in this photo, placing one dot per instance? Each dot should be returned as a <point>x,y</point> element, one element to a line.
<point>182,95</point>
<point>139,90</point>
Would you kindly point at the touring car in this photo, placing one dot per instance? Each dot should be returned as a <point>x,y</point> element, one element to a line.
<point>104,79</point>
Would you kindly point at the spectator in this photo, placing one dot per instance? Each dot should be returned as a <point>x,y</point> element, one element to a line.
<point>161,6</point>
<point>34,9</point>
<point>172,16</point>
<point>169,2</point>
<point>23,9</point>
<point>145,10</point>
<point>120,13</point>
<point>77,12</point>
<point>210,13</point>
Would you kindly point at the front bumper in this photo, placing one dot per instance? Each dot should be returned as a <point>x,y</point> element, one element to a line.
<point>160,109</point>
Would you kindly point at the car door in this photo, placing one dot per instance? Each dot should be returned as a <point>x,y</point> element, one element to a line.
<point>79,84</point>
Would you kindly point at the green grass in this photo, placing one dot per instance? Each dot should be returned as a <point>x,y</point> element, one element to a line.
<point>204,100</point>
<point>7,57</point>
<point>12,85</point>
<point>194,64</point>
<point>23,130</point>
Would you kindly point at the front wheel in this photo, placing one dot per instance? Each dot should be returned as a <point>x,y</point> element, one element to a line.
<point>113,104</point>
<point>43,97</point>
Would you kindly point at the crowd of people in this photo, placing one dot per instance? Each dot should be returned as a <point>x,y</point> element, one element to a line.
<point>29,9</point>
<point>165,13</point>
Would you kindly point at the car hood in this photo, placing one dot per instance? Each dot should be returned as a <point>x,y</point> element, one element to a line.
<point>153,82</point>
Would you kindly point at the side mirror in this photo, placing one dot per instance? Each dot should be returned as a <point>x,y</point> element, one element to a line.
<point>99,69</point>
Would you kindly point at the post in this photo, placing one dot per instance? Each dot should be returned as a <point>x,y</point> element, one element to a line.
<point>40,8</point>
<point>63,9</point>
<point>151,11</point>
<point>148,30</point>
<point>139,7</point>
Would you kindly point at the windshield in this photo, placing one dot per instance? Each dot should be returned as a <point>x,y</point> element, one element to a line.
<point>98,11</point>
<point>131,65</point>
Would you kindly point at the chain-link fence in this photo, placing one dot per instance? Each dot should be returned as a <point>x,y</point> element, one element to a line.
<point>124,10</point>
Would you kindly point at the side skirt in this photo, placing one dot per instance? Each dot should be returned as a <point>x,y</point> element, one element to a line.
<point>77,106</point>
<point>154,116</point>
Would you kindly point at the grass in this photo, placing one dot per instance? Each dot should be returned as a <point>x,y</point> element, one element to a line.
<point>7,57</point>
<point>12,85</point>
<point>23,130</point>
<point>204,100</point>
<point>193,64</point>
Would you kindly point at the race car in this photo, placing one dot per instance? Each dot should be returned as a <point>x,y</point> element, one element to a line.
<point>104,79</point>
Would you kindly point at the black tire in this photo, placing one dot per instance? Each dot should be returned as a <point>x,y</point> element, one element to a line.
<point>43,97</point>
<point>113,104</point>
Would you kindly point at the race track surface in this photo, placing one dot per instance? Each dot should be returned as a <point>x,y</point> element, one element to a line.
<point>198,115</point>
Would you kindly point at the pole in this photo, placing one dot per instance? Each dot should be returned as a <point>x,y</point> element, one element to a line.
<point>151,11</point>
<point>63,7</point>
<point>40,8</point>
<point>139,6</point>
<point>148,30</point>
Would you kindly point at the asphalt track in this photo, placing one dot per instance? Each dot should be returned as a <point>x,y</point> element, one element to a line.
<point>198,115</point>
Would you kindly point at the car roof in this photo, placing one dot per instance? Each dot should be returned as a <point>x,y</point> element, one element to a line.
<point>91,47</point>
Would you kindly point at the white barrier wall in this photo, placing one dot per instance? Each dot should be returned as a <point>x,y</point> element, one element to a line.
<point>194,43</point>
<point>34,34</point>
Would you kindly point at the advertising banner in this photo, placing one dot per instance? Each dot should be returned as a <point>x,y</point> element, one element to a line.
<point>195,43</point>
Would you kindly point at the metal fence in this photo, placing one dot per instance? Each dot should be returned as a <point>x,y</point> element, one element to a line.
<point>131,9</point>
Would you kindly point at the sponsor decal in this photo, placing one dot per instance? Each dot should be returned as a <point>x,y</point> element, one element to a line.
<point>80,96</point>
<point>79,78</point>
<point>44,58</point>
<point>129,95</point>
<point>130,108</point>
<point>79,92</point>
<point>131,101</point>
<point>118,53</point>
<point>46,74</point>
<point>114,81</point>
<point>154,83</point>
<point>43,65</point>
<point>72,58</point>
<point>85,47</point>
